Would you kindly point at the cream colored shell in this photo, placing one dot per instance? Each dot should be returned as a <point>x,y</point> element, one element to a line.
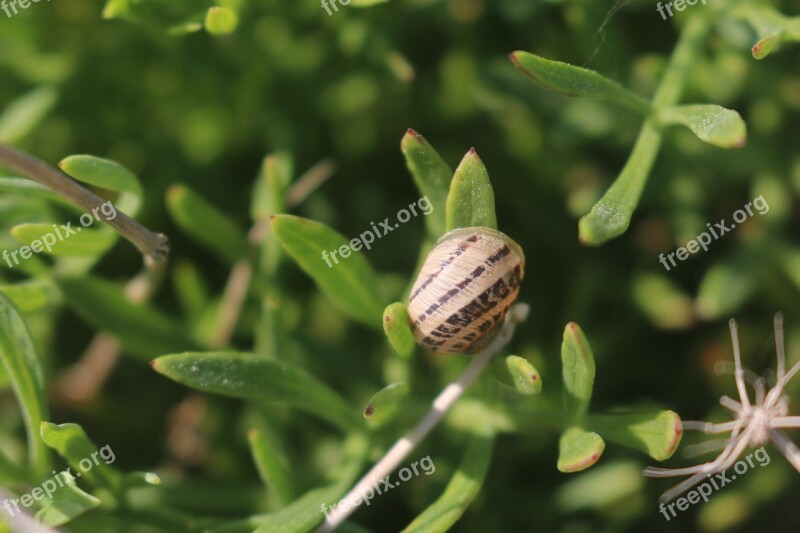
<point>465,288</point>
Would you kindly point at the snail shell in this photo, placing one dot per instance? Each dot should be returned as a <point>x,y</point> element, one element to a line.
<point>465,288</point>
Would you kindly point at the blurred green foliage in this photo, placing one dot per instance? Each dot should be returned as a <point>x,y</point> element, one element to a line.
<point>191,96</point>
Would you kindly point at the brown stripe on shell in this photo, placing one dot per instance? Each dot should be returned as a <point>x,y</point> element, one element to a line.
<point>464,291</point>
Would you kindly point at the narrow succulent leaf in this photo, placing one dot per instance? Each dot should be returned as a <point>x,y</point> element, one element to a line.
<point>206,224</point>
<point>271,466</point>
<point>766,45</point>
<point>432,177</point>
<point>66,503</point>
<point>270,336</point>
<point>462,489</point>
<point>577,370</point>
<point>579,449</point>
<point>367,3</point>
<point>242,375</point>
<point>269,191</point>
<point>470,202</point>
<point>142,331</point>
<point>570,80</point>
<point>602,488</point>
<point>24,369</point>
<point>32,296</point>
<point>221,21</point>
<point>71,442</point>
<point>386,403</point>
<point>44,239</point>
<point>305,512</point>
<point>711,123</point>
<point>397,327</point>
<point>190,289</point>
<point>350,283</point>
<point>109,175</point>
<point>23,114</point>
<point>103,173</point>
<point>665,303</point>
<point>723,289</point>
<point>525,377</point>
<point>657,434</point>
<point>611,215</point>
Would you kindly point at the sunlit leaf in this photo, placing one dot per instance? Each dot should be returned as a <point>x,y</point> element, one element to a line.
<point>248,376</point>
<point>54,240</point>
<point>570,80</point>
<point>87,459</point>
<point>432,177</point>
<point>342,273</point>
<point>656,434</point>
<point>386,403</point>
<point>397,327</point>
<point>271,465</point>
<point>711,123</point>
<point>470,202</point>
<point>579,449</point>
<point>66,503</point>
<point>578,370</point>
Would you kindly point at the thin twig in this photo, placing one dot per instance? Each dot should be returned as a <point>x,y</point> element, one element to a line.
<point>154,246</point>
<point>441,405</point>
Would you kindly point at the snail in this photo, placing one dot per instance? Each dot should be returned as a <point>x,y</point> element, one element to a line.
<point>466,286</point>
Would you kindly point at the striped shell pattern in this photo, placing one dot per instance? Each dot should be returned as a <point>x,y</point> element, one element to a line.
<point>465,288</point>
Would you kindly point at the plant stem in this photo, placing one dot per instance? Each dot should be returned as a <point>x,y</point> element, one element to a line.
<point>611,216</point>
<point>441,405</point>
<point>154,246</point>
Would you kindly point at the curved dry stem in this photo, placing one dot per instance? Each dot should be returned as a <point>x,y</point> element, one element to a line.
<point>155,246</point>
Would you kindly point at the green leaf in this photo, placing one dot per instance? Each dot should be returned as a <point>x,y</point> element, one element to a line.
<point>524,375</point>
<point>142,331</point>
<point>349,281</point>
<point>462,489</point>
<point>367,3</point>
<point>578,450</point>
<point>570,80</point>
<point>304,513</point>
<point>470,202</point>
<point>711,123</point>
<point>610,217</point>
<point>23,367</point>
<point>269,191</point>
<point>58,242</point>
<point>248,376</point>
<point>271,465</point>
<point>87,460</point>
<point>656,434</point>
<point>221,21</point>
<point>32,296</point>
<point>397,327</point>
<point>66,503</point>
<point>665,304</point>
<point>578,371</point>
<point>22,115</point>
<point>206,224</point>
<point>109,175</point>
<point>723,289</point>
<point>603,489</point>
<point>386,403</point>
<point>432,177</point>
<point>103,173</point>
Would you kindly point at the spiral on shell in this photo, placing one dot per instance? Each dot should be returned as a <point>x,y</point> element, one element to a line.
<point>467,284</point>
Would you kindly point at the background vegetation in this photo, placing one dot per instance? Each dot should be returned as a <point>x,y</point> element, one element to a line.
<point>179,103</point>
